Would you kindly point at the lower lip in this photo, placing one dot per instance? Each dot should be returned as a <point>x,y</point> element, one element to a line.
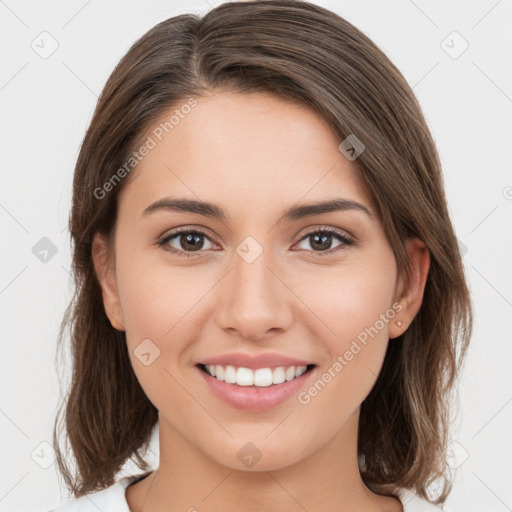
<point>254,398</point>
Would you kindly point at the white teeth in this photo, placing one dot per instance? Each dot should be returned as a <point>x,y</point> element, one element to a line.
<point>230,374</point>
<point>219,372</point>
<point>289,374</point>
<point>278,375</point>
<point>262,377</point>
<point>244,377</point>
<point>299,371</point>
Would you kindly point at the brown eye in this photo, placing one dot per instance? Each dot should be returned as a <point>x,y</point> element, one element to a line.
<point>321,240</point>
<point>184,242</point>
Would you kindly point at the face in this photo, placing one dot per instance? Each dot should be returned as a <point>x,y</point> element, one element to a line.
<point>253,287</point>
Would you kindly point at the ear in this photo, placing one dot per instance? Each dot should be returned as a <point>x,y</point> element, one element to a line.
<point>103,265</point>
<point>410,294</point>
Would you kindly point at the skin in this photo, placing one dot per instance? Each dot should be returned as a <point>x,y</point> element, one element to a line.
<point>254,155</point>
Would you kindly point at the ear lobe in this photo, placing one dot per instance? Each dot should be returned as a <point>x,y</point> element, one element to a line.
<point>410,295</point>
<point>104,268</point>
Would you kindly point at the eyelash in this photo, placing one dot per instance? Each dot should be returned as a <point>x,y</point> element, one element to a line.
<point>345,239</point>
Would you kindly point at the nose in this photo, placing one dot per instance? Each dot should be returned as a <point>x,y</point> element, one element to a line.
<point>253,299</point>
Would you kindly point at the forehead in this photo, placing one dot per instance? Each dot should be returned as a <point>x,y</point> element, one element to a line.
<point>245,150</point>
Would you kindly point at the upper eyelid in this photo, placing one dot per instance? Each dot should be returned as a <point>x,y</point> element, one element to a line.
<point>182,230</point>
<point>332,230</point>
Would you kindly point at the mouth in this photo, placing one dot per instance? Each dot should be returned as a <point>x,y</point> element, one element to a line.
<point>255,389</point>
<point>259,377</point>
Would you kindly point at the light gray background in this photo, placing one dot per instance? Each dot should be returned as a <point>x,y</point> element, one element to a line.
<point>47,104</point>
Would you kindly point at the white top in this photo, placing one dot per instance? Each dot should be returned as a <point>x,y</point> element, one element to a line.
<point>113,499</point>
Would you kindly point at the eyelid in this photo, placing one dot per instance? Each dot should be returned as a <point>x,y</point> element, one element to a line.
<point>325,228</point>
<point>189,228</point>
<point>346,238</point>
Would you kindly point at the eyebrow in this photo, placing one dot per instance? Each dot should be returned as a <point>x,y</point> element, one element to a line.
<point>294,213</point>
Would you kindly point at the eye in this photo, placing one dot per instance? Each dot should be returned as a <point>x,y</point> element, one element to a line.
<point>187,241</point>
<point>320,240</point>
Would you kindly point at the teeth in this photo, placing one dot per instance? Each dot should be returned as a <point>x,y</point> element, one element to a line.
<point>278,375</point>
<point>245,377</point>
<point>289,374</point>
<point>229,374</point>
<point>262,377</point>
<point>219,372</point>
<point>300,370</point>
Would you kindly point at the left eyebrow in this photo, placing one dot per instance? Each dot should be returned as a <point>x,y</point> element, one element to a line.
<point>294,213</point>
<point>308,210</point>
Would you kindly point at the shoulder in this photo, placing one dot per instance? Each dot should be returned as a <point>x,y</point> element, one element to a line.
<point>108,500</point>
<point>413,503</point>
<point>114,499</point>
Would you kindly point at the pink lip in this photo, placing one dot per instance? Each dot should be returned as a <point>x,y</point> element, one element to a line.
<point>267,360</point>
<point>253,398</point>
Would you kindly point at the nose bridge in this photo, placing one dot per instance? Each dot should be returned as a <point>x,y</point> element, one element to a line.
<point>254,287</point>
<point>253,299</point>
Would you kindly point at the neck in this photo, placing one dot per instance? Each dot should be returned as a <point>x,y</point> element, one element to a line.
<point>326,481</point>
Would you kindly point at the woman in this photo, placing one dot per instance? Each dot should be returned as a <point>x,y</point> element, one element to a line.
<point>266,270</point>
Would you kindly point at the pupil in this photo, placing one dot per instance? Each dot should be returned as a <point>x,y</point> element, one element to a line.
<point>192,241</point>
<point>321,239</point>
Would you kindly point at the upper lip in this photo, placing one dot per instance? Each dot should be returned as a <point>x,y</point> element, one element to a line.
<point>267,360</point>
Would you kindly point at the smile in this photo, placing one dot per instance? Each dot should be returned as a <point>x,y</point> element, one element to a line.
<point>256,389</point>
<point>260,377</point>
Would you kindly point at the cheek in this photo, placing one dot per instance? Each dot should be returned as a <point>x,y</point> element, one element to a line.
<point>150,293</point>
<point>350,299</point>
<point>159,301</point>
<point>160,304</point>
<point>357,310</point>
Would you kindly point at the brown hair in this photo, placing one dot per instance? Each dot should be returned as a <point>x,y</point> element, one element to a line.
<point>307,54</point>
